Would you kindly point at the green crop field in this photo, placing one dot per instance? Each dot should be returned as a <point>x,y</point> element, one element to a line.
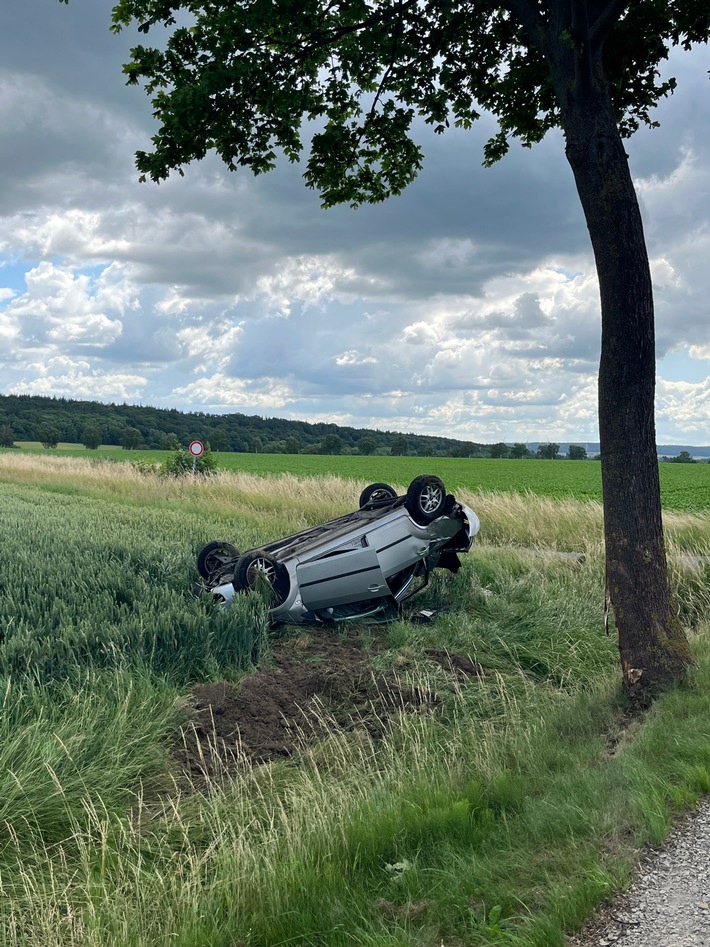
<point>683,486</point>
<point>475,779</point>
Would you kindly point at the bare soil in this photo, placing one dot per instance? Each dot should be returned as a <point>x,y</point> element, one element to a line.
<point>316,682</point>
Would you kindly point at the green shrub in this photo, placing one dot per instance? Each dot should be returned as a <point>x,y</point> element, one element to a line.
<point>181,463</point>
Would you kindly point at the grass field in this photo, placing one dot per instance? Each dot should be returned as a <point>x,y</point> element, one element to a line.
<point>501,814</point>
<point>683,486</point>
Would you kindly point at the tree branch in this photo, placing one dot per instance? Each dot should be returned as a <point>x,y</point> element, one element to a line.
<point>390,66</point>
<point>601,25</point>
<point>320,38</point>
<point>383,82</point>
<point>528,15</point>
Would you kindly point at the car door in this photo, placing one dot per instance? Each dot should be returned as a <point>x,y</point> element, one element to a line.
<point>350,575</point>
<point>399,543</point>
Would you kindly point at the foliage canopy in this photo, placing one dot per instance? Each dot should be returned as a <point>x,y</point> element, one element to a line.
<point>256,78</point>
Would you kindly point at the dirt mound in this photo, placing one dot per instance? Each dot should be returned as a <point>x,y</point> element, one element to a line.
<point>318,682</point>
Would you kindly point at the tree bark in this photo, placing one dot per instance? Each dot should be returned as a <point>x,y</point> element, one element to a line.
<point>653,646</point>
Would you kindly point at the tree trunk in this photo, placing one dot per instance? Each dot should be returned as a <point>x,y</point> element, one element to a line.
<point>652,643</point>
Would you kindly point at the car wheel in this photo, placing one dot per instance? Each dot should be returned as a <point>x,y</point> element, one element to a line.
<point>426,498</point>
<point>255,569</point>
<point>376,492</point>
<point>214,556</point>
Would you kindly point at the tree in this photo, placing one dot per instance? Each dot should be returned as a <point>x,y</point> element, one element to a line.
<point>7,436</point>
<point>683,458</point>
<point>152,438</point>
<point>576,452</point>
<point>169,441</point>
<point>331,444</point>
<point>518,451</point>
<point>366,445</point>
<point>464,449</point>
<point>548,451</point>
<point>291,445</point>
<point>131,438</point>
<point>399,446</point>
<point>241,78</point>
<point>499,450</point>
<point>91,438</point>
<point>49,437</point>
<point>219,439</point>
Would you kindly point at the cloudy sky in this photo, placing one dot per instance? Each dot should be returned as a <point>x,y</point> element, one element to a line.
<point>467,307</point>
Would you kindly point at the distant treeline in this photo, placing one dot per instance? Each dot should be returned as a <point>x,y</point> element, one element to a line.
<point>136,427</point>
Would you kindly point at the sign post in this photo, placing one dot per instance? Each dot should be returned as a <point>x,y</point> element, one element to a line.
<point>197,449</point>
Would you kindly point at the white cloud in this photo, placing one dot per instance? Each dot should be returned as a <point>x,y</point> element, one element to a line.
<point>353,358</point>
<point>210,346</point>
<point>699,351</point>
<point>420,333</point>
<point>75,379</point>
<point>58,307</point>
<point>225,394</point>
<point>311,281</point>
<point>685,408</point>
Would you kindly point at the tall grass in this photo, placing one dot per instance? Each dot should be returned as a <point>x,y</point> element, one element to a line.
<point>86,586</point>
<point>280,503</point>
<point>502,825</point>
<point>501,817</point>
<point>683,486</point>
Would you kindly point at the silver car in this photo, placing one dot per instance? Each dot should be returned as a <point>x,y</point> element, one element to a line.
<point>361,565</point>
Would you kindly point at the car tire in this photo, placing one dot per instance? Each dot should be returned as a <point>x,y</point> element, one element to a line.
<point>376,492</point>
<point>255,566</point>
<point>213,556</point>
<point>426,499</point>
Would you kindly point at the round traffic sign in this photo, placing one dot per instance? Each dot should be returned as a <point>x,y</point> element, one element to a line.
<point>196,448</point>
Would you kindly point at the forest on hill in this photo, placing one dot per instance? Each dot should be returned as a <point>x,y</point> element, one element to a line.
<point>52,420</point>
<point>136,427</point>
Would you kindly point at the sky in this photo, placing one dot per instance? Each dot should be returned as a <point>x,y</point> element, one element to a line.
<point>468,307</point>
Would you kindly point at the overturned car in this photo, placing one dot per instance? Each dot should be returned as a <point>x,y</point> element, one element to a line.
<point>363,565</point>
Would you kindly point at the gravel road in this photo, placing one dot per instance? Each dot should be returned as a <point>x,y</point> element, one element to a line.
<point>669,903</point>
